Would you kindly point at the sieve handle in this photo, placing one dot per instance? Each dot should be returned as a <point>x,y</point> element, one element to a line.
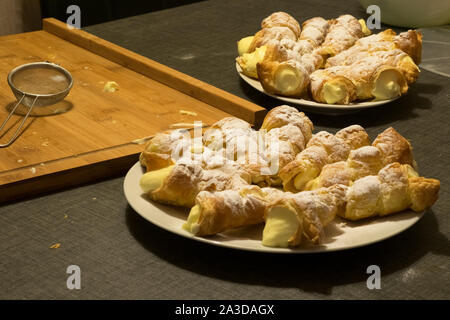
<point>21,124</point>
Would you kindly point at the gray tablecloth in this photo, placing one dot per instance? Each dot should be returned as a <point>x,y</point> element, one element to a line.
<point>123,256</point>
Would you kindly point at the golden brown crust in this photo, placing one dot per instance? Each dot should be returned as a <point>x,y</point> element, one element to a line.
<point>229,209</point>
<point>392,190</point>
<point>282,19</point>
<point>334,174</point>
<point>343,33</point>
<point>186,180</point>
<point>361,162</point>
<point>320,77</point>
<point>315,29</point>
<point>158,150</point>
<point>424,192</point>
<point>267,35</point>
<point>394,147</point>
<point>322,149</point>
<point>355,136</point>
<point>314,210</point>
<point>411,43</point>
<point>155,161</point>
<point>311,159</point>
<point>283,115</point>
<point>267,74</point>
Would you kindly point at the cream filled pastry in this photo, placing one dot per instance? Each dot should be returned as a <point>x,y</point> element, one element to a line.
<point>249,61</point>
<point>319,176</point>
<point>244,45</point>
<point>338,61</point>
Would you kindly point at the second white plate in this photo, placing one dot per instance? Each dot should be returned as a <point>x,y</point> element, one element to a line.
<point>340,235</point>
<point>313,106</point>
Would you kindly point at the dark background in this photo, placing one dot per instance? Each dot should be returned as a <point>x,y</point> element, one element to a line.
<point>94,12</point>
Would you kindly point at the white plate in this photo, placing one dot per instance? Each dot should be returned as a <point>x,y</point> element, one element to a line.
<point>312,106</point>
<point>340,235</point>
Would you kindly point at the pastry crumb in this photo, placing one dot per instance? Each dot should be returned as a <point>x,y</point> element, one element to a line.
<point>19,161</point>
<point>33,170</point>
<point>111,86</point>
<point>185,125</point>
<point>55,246</point>
<point>188,113</point>
<point>142,140</point>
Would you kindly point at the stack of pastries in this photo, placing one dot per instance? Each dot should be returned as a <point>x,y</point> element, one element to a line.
<point>284,176</point>
<point>334,61</point>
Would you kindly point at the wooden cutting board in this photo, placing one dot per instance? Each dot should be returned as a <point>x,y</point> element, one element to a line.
<point>94,134</point>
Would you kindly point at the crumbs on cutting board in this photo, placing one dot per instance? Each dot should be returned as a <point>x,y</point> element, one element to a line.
<point>188,113</point>
<point>19,161</point>
<point>111,86</point>
<point>142,140</point>
<point>33,170</point>
<point>55,246</point>
<point>186,125</point>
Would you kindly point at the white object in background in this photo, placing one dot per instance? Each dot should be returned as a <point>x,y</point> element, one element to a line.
<point>436,50</point>
<point>412,13</point>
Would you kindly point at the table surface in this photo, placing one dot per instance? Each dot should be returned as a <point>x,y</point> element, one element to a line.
<point>122,256</point>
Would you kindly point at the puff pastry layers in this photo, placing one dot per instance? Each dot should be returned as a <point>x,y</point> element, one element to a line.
<point>335,61</point>
<point>319,177</point>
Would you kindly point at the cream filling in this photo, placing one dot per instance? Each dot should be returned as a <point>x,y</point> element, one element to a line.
<point>287,79</point>
<point>387,85</point>
<point>304,177</point>
<point>410,171</point>
<point>154,147</point>
<point>364,28</point>
<point>152,180</point>
<point>111,86</point>
<point>248,61</point>
<point>333,92</point>
<point>191,225</point>
<point>244,45</point>
<point>312,185</point>
<point>281,227</point>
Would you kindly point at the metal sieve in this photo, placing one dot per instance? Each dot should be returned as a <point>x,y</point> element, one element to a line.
<point>30,99</point>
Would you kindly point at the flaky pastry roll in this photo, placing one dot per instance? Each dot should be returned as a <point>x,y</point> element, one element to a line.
<point>287,65</point>
<point>389,147</point>
<point>409,42</point>
<point>282,19</point>
<point>315,29</point>
<point>215,212</point>
<point>322,149</point>
<point>158,151</point>
<point>293,218</point>
<point>372,77</point>
<point>396,187</point>
<point>284,115</point>
<point>342,34</point>
<point>180,183</point>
